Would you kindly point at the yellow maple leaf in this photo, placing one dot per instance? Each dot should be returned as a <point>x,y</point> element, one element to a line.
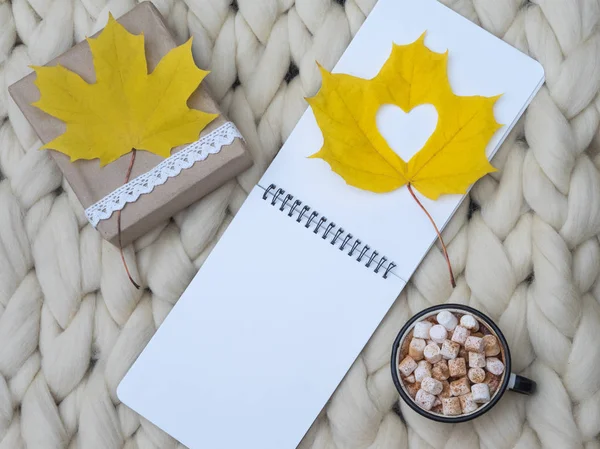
<point>126,108</point>
<point>453,157</point>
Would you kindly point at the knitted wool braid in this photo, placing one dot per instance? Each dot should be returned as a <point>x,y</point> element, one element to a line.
<point>524,246</point>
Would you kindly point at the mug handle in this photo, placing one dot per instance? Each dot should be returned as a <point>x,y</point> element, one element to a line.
<point>520,384</point>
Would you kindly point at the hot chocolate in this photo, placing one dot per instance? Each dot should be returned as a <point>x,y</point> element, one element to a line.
<point>450,363</point>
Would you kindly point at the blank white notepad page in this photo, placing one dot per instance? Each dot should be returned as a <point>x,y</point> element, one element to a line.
<point>261,338</point>
<point>478,64</point>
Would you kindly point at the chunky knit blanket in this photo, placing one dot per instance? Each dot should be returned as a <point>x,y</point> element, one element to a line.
<point>524,246</point>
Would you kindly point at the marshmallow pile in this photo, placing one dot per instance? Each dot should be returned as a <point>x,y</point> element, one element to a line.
<point>451,364</point>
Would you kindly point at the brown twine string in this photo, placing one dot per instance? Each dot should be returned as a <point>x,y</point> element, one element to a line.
<point>452,281</point>
<point>135,284</point>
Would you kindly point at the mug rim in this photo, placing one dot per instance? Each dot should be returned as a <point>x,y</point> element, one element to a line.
<point>449,419</point>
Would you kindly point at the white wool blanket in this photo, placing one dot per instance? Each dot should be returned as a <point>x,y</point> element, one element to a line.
<point>524,246</point>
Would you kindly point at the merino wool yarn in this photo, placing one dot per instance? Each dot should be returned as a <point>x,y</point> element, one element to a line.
<point>524,246</point>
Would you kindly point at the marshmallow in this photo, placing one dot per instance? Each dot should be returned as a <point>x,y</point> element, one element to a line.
<point>492,381</point>
<point>438,333</point>
<point>432,353</point>
<point>440,370</point>
<point>476,360</point>
<point>491,346</point>
<point>445,389</point>
<point>460,387</point>
<point>457,367</point>
<point>415,350</point>
<point>421,329</point>
<point>469,322</point>
<point>424,400</point>
<point>476,375</point>
<point>474,344</point>
<point>407,366</point>
<point>450,349</point>
<point>451,406</point>
<point>411,379</point>
<point>467,404</point>
<point>481,393</point>
<point>423,370</point>
<point>494,366</point>
<point>447,319</point>
<point>431,342</point>
<point>431,385</point>
<point>460,334</point>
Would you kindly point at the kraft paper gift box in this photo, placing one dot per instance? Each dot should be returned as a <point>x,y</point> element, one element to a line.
<point>91,183</point>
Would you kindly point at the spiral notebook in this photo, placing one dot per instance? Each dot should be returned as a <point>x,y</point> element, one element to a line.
<point>294,289</point>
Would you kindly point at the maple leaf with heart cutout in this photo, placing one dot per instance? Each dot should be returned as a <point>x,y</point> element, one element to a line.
<point>451,160</point>
<point>126,108</point>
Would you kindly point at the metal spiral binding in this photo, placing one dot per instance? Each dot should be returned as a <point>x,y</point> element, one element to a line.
<point>321,224</point>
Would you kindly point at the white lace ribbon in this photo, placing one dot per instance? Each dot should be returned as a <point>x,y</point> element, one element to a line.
<point>170,167</point>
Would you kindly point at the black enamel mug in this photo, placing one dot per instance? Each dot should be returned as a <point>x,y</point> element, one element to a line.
<point>508,381</point>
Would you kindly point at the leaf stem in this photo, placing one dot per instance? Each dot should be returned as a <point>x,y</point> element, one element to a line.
<point>135,284</point>
<point>439,234</point>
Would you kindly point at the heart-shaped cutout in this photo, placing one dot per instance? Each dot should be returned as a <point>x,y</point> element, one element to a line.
<point>406,133</point>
